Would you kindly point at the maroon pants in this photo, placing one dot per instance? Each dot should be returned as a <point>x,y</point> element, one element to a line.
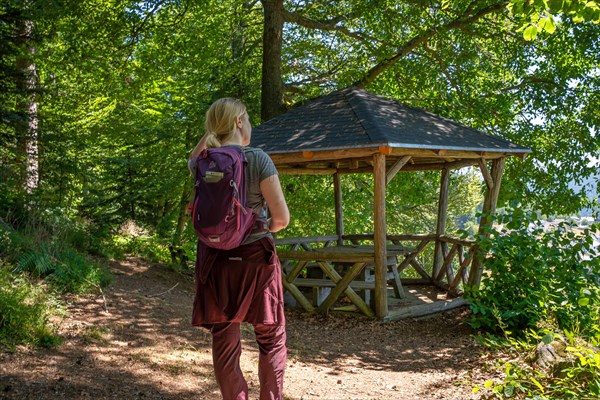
<point>226,351</point>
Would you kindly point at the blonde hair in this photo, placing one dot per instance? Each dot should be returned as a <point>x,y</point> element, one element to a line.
<point>220,120</point>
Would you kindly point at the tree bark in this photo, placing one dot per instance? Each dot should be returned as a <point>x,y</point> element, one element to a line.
<point>27,153</point>
<point>272,85</point>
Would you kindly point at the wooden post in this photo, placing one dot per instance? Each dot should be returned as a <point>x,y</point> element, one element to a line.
<point>441,247</point>
<point>381,305</point>
<point>485,224</point>
<point>339,212</point>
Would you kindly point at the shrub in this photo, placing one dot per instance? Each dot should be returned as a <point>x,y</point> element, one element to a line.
<point>534,274</point>
<point>63,267</point>
<point>574,375</point>
<point>24,312</point>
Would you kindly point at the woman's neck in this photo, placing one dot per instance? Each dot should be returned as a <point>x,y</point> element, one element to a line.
<point>234,140</point>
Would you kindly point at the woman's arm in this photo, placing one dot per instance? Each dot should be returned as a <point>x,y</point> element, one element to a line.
<point>200,146</point>
<point>271,191</point>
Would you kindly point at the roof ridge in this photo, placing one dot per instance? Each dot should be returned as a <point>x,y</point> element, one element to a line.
<point>364,114</point>
<point>345,93</point>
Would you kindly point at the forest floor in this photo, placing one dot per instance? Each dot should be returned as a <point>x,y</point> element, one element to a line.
<point>140,345</point>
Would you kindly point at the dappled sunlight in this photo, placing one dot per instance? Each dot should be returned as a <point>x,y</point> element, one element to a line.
<point>145,347</point>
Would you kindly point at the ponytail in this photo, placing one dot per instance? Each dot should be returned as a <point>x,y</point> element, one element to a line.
<point>220,122</point>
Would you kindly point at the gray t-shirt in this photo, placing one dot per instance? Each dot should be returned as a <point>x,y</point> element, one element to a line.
<point>260,167</point>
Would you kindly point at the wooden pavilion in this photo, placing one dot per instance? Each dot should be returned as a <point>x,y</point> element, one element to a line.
<point>354,131</point>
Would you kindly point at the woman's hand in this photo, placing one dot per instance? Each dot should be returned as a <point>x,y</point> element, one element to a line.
<point>200,146</point>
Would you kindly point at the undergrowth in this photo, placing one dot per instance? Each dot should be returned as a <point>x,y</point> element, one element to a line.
<point>40,259</point>
<point>25,309</point>
<point>540,287</point>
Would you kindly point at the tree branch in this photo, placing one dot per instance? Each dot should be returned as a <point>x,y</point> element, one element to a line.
<point>416,41</point>
<point>328,25</point>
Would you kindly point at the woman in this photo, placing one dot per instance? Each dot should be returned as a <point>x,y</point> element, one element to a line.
<point>243,284</point>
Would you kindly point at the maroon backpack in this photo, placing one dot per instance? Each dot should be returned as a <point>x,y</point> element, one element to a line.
<point>220,216</point>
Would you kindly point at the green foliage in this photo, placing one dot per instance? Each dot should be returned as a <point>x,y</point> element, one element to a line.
<point>311,201</point>
<point>51,248</point>
<point>132,239</point>
<point>533,275</point>
<point>545,15</point>
<point>25,309</point>
<point>574,375</point>
<point>64,268</point>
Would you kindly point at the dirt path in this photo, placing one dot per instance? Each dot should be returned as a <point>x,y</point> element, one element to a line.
<point>145,348</point>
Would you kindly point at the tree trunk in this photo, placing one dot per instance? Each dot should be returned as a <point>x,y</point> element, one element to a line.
<point>183,217</point>
<point>272,84</point>
<point>186,196</point>
<point>27,127</point>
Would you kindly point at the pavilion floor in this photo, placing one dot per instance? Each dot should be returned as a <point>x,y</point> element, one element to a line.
<point>420,300</point>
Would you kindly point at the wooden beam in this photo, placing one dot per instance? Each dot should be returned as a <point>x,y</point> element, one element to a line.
<point>381,304</point>
<point>441,246</point>
<point>426,309</point>
<point>486,174</point>
<point>395,168</point>
<point>366,236</point>
<point>297,294</point>
<point>442,153</point>
<point>355,298</point>
<point>341,286</point>
<point>386,150</point>
<point>309,239</point>
<point>334,155</point>
<point>447,264</point>
<point>339,211</point>
<point>486,222</point>
<point>306,171</point>
<point>309,155</point>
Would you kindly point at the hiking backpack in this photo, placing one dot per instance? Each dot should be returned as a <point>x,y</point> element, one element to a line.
<point>220,216</point>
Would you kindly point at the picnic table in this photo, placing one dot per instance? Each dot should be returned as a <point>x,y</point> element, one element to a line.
<point>351,260</point>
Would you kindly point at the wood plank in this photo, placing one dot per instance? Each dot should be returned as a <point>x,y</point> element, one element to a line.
<point>379,232</point>
<point>282,159</point>
<point>324,254</point>
<point>426,309</point>
<point>309,239</point>
<point>435,166</point>
<point>288,158</point>
<point>403,237</point>
<point>420,153</point>
<point>306,171</point>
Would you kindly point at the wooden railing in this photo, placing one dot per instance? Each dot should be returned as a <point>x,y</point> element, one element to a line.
<point>456,256</point>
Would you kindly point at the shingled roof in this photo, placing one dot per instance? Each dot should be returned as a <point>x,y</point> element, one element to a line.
<point>353,118</point>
